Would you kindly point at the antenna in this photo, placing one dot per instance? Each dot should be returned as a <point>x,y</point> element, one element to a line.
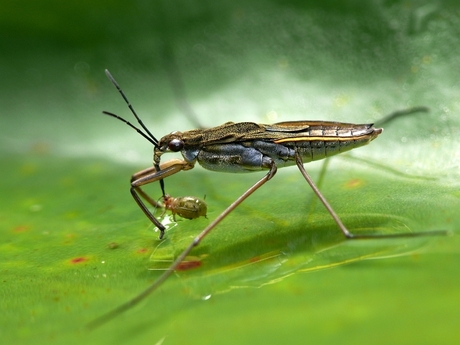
<point>149,136</point>
<point>155,143</point>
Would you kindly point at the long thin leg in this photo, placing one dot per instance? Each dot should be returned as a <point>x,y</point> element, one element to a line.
<point>147,212</point>
<point>390,117</point>
<point>339,223</point>
<point>131,303</point>
<point>149,171</point>
<point>147,198</point>
<point>319,183</point>
<point>151,175</point>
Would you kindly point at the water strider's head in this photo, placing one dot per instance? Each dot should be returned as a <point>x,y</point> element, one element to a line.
<point>172,142</point>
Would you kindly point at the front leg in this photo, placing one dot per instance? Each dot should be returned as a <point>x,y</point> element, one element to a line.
<point>151,175</point>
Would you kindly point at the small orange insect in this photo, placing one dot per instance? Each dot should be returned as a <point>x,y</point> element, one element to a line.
<point>188,207</point>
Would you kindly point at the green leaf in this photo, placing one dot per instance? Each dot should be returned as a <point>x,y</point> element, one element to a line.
<point>277,270</point>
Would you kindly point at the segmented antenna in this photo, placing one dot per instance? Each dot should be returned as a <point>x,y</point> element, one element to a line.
<point>155,143</point>
<point>149,136</point>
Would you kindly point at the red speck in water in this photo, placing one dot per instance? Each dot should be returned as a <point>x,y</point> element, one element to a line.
<point>187,265</point>
<point>354,183</point>
<point>78,260</point>
<point>21,228</point>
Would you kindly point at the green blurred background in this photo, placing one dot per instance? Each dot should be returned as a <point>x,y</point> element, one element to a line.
<point>74,244</point>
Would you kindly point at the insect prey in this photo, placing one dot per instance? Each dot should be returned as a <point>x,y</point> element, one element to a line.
<point>188,207</point>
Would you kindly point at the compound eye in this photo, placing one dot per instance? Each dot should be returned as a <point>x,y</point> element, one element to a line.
<point>176,145</point>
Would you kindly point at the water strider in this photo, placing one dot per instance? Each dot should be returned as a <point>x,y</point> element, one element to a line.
<point>240,148</point>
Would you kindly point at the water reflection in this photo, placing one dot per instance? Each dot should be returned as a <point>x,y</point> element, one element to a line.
<point>271,257</point>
